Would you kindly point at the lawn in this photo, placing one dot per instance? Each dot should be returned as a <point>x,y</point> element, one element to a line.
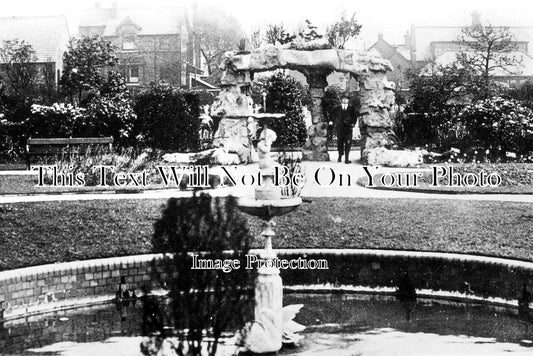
<point>48,232</point>
<point>516,178</point>
<point>27,184</point>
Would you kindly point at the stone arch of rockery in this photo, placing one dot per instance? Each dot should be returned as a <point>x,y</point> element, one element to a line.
<point>376,92</point>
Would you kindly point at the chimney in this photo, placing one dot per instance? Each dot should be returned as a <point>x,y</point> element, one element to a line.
<point>412,49</point>
<point>407,40</point>
<point>475,18</point>
<point>114,9</point>
<point>380,36</point>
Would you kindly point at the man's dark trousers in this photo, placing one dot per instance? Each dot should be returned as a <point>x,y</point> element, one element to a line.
<point>345,121</point>
<point>344,140</point>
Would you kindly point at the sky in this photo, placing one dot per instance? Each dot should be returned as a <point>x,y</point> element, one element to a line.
<point>389,17</point>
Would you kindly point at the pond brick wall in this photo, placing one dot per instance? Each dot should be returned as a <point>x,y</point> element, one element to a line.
<point>56,286</point>
<point>30,289</point>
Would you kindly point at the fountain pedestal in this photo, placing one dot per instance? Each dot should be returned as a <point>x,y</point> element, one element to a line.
<point>265,333</point>
<point>269,295</point>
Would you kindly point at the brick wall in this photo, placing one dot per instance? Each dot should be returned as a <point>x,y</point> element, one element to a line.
<point>159,58</point>
<point>29,289</point>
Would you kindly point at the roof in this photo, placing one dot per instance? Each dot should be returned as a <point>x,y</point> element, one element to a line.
<point>425,35</point>
<point>400,50</point>
<point>525,68</point>
<point>150,20</point>
<point>404,51</point>
<point>48,35</point>
<point>203,83</point>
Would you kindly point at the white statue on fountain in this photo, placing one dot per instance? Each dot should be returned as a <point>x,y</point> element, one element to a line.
<point>267,138</point>
<point>261,335</point>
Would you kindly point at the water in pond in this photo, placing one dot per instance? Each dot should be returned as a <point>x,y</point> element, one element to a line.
<point>343,324</point>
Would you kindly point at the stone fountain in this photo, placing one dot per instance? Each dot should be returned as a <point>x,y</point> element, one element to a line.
<point>270,326</point>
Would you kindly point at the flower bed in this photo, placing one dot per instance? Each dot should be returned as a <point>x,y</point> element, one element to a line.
<point>516,178</point>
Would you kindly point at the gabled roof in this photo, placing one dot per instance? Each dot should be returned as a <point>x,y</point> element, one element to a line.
<point>399,50</point>
<point>128,22</point>
<point>48,35</point>
<point>404,51</point>
<point>151,20</point>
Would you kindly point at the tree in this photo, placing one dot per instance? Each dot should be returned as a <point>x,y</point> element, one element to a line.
<point>340,32</point>
<point>110,113</point>
<point>488,49</point>
<point>285,95</point>
<point>276,34</point>
<point>216,32</point>
<point>202,303</point>
<point>19,65</point>
<point>309,32</point>
<point>434,94</point>
<point>167,119</point>
<point>436,86</point>
<point>84,64</point>
<point>255,39</point>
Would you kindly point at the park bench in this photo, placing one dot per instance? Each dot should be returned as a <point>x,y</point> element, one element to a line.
<point>59,146</point>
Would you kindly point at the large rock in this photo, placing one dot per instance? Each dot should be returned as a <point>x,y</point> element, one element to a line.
<point>232,103</point>
<point>233,136</point>
<point>223,157</point>
<point>359,63</point>
<point>372,139</point>
<point>378,118</point>
<point>182,158</point>
<point>381,156</point>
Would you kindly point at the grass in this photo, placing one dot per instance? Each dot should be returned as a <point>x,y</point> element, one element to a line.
<point>517,178</point>
<point>48,232</point>
<point>27,184</point>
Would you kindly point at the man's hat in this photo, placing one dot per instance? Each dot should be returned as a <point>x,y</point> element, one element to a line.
<point>345,95</point>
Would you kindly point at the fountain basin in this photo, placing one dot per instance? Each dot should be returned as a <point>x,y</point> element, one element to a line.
<point>338,323</point>
<point>267,209</point>
<point>460,298</point>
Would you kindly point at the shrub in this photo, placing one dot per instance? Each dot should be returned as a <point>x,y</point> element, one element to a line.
<point>499,125</point>
<point>285,95</point>
<point>332,98</point>
<point>201,301</point>
<point>434,93</point>
<point>110,115</point>
<point>205,97</point>
<point>14,125</point>
<point>57,120</point>
<point>168,119</point>
<point>436,129</point>
<point>126,160</point>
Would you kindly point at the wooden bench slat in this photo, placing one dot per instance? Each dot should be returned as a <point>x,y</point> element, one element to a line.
<point>89,140</point>
<point>66,141</point>
<point>55,146</point>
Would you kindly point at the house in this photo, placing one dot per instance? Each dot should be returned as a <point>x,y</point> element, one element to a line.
<point>48,36</point>
<point>400,57</point>
<point>155,44</point>
<point>440,44</point>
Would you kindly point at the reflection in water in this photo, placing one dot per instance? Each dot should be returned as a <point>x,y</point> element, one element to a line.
<point>351,317</point>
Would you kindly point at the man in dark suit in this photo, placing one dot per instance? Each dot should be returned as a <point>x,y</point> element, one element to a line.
<point>345,116</point>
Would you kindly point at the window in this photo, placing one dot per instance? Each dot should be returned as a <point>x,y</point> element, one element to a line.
<point>128,42</point>
<point>164,44</point>
<point>134,74</point>
<point>130,73</point>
